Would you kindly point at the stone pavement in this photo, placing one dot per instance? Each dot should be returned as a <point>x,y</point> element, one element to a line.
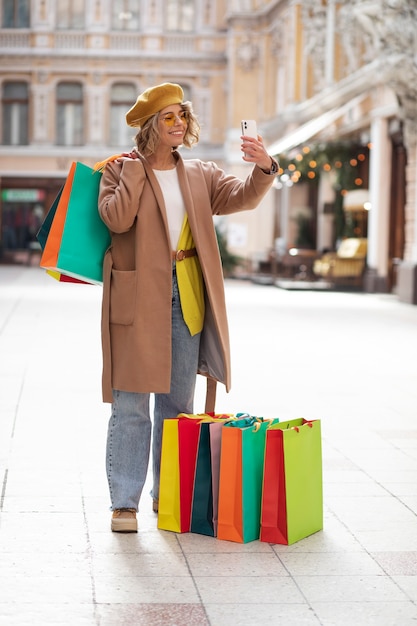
<point>348,359</point>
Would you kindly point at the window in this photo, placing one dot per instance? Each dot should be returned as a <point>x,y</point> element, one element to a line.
<point>123,96</point>
<point>125,15</point>
<point>180,15</point>
<point>69,130</point>
<point>15,114</point>
<point>70,14</point>
<point>16,13</point>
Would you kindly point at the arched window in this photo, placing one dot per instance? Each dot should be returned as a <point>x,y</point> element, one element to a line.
<point>180,15</point>
<point>70,114</point>
<point>125,15</point>
<point>15,114</point>
<point>16,14</point>
<point>123,96</point>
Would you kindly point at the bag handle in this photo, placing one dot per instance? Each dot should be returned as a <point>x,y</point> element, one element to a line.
<point>210,395</point>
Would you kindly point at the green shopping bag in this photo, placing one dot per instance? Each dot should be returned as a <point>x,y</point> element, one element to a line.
<point>292,498</point>
<point>78,238</point>
<point>240,480</point>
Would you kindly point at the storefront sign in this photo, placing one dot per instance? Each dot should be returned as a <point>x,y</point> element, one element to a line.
<point>23,195</point>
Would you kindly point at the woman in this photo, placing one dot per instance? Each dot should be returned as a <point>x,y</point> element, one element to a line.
<point>164,317</point>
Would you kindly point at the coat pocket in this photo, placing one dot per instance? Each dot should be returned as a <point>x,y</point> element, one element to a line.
<point>122,297</point>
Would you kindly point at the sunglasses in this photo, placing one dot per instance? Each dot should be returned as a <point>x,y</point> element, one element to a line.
<point>171,119</point>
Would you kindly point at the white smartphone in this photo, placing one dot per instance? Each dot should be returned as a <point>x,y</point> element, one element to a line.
<point>249,128</point>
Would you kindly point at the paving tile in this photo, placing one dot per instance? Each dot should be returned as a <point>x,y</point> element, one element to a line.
<point>330,563</point>
<point>44,564</point>
<point>249,590</point>
<point>397,536</point>
<point>143,564</point>
<point>153,615</point>
<point>43,589</point>
<point>255,614</point>
<point>352,588</point>
<point>397,563</point>
<point>365,512</point>
<point>117,589</point>
<point>47,614</point>
<point>370,613</point>
<point>228,565</point>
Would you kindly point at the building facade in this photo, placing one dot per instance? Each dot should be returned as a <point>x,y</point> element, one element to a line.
<point>332,86</point>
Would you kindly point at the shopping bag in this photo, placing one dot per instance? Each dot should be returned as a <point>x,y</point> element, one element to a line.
<point>292,499</point>
<point>240,482</point>
<point>204,510</point>
<point>78,238</point>
<point>42,236</point>
<point>180,441</point>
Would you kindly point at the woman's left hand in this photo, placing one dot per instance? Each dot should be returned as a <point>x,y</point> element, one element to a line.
<point>254,152</point>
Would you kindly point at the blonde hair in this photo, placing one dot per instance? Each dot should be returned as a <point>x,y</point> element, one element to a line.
<point>147,139</point>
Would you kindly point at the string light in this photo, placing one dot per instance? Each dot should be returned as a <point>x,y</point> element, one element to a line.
<point>322,158</point>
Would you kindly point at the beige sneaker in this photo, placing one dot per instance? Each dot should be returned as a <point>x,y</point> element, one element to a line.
<point>124,521</point>
<point>155,505</point>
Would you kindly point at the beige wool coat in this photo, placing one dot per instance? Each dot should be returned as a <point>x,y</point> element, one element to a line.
<point>137,276</point>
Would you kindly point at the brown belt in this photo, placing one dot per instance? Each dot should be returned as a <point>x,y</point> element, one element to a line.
<point>180,255</point>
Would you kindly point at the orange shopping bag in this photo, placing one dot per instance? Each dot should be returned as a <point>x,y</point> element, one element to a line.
<point>50,252</point>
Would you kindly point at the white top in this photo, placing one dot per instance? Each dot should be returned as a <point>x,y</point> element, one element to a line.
<point>168,181</point>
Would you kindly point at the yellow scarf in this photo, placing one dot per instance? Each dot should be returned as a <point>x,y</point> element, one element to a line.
<point>190,283</point>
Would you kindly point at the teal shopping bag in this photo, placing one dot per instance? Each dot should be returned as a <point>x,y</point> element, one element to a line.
<point>240,480</point>
<point>202,504</point>
<point>292,499</point>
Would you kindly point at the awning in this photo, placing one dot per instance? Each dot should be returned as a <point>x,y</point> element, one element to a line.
<point>312,128</point>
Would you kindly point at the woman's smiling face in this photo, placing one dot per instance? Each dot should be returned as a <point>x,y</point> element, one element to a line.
<point>172,130</point>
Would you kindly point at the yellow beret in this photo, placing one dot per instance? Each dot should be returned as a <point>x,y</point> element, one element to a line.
<point>153,100</point>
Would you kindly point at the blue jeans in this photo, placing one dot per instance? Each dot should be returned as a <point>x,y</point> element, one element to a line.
<point>130,429</point>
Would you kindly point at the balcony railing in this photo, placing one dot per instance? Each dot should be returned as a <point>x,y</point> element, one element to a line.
<point>110,43</point>
<point>15,39</point>
<point>70,41</point>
